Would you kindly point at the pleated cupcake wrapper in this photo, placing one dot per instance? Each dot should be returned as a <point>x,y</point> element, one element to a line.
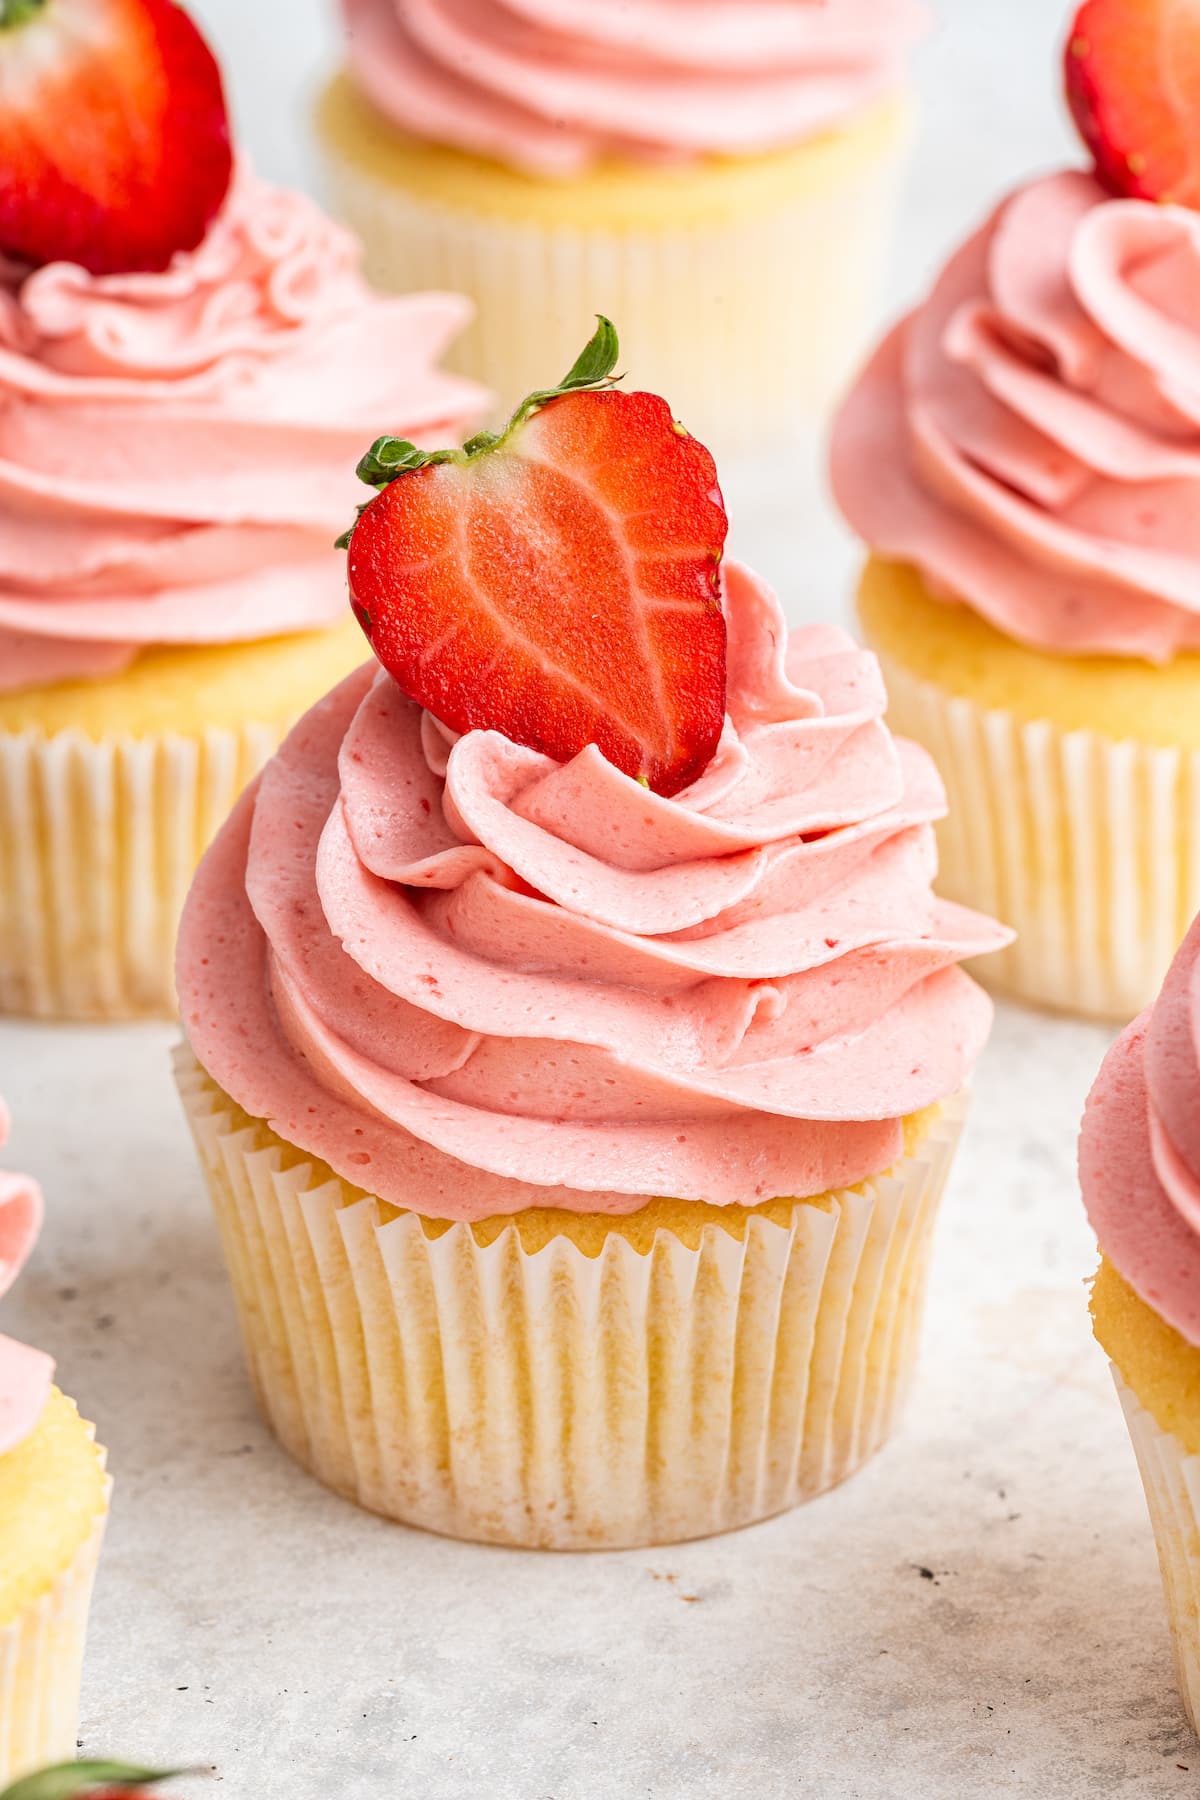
<point>549,1398</point>
<point>98,844</point>
<point>1171,1477</point>
<point>748,324</point>
<point>41,1663</point>
<point>1089,848</point>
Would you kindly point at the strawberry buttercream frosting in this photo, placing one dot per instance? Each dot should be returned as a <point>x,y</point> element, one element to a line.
<point>551,86</point>
<point>1029,436</point>
<point>475,981</point>
<point>177,449</point>
<point>24,1374</point>
<point>1139,1151</point>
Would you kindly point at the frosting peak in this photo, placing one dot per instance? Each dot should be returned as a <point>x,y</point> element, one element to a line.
<point>24,1374</point>
<point>553,85</point>
<point>1139,1153</point>
<point>475,981</point>
<point>177,450</point>
<point>1029,437</point>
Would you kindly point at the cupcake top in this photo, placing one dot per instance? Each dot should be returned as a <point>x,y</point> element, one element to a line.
<point>1139,1150</point>
<point>552,86</point>
<point>475,980</point>
<point>24,1374</point>
<point>177,444</point>
<point>1029,436</point>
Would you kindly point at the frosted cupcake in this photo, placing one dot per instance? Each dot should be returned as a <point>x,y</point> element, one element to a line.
<point>645,911</point>
<point>1022,456</point>
<point>175,445</point>
<point>53,1503</point>
<point>1139,1164</point>
<point>718,176</point>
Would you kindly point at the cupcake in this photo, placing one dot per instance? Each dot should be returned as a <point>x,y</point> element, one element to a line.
<point>53,1503</point>
<point>175,443</point>
<point>575,1046</point>
<point>718,174</point>
<point>1139,1165</point>
<point>1022,455</point>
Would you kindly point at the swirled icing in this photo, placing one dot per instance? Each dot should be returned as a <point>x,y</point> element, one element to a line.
<point>1029,437</point>
<point>177,449</point>
<point>475,981</point>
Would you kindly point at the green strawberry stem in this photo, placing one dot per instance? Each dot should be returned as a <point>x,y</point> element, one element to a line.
<point>390,457</point>
<point>65,1780</point>
<point>18,12</point>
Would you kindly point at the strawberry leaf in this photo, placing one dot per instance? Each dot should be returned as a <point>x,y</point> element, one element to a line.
<point>62,1781</point>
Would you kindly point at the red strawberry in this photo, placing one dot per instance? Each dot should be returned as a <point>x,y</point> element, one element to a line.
<point>559,582</point>
<point>1133,85</point>
<point>87,1781</point>
<point>114,141</point>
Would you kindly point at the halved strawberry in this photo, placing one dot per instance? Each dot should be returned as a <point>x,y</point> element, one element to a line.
<point>1133,86</point>
<point>114,139</point>
<point>559,582</point>
<point>87,1781</point>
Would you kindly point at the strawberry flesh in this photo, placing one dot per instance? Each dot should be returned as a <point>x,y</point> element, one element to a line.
<point>114,138</point>
<point>561,587</point>
<point>1133,86</point>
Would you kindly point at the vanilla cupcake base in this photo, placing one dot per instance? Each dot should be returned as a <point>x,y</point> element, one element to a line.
<point>453,1378</point>
<point>98,845</point>
<point>1171,1477</point>
<point>741,288</point>
<point>1089,848</point>
<point>111,791</point>
<point>42,1644</point>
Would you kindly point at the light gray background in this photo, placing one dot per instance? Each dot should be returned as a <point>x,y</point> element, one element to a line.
<point>247,1619</point>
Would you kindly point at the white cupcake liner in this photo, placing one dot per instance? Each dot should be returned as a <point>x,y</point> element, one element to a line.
<point>748,324</point>
<point>1088,847</point>
<point>552,1399</point>
<point>1171,1477</point>
<point>41,1663</point>
<point>98,845</point>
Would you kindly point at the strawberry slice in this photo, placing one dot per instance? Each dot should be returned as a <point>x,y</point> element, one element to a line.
<point>114,139</point>
<point>558,582</point>
<point>1133,86</point>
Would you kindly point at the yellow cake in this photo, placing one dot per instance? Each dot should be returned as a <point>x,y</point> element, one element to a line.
<point>111,790</point>
<point>743,285</point>
<point>572,1381</point>
<point>1073,785</point>
<point>53,1504</point>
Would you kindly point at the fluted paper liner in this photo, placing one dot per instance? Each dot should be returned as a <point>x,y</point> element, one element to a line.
<point>1172,1481</point>
<point>550,1398</point>
<point>749,324</point>
<point>1088,847</point>
<point>41,1663</point>
<point>98,844</point>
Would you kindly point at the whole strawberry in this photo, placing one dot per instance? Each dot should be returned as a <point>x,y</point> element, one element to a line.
<point>558,581</point>
<point>114,139</point>
<point>87,1781</point>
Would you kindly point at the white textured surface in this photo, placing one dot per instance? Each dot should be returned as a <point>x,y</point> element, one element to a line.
<point>247,1618</point>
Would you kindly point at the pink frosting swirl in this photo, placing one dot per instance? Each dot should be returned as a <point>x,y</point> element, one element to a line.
<point>1139,1150</point>
<point>475,981</point>
<point>24,1374</point>
<point>552,85</point>
<point>1029,437</point>
<point>177,450</point>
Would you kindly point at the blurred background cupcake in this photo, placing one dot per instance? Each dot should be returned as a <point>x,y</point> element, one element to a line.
<point>53,1504</point>
<point>719,175</point>
<point>1139,1165</point>
<point>466,999</point>
<point>184,386</point>
<point>1022,456</point>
